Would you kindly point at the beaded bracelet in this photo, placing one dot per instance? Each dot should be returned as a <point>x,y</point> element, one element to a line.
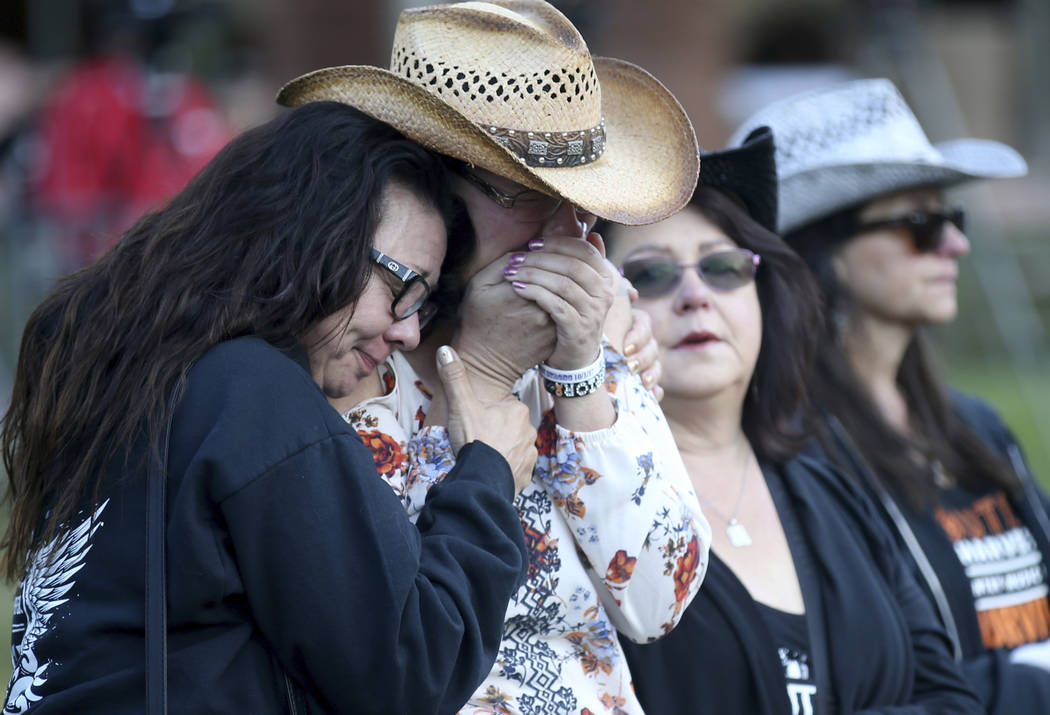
<point>574,383</point>
<point>574,389</point>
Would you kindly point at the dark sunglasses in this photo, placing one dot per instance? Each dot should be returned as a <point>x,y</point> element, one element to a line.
<point>529,205</point>
<point>654,276</point>
<point>926,227</point>
<point>412,298</point>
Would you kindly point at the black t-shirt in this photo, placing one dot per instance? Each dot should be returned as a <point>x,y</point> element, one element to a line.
<point>885,650</point>
<point>1001,561</point>
<point>791,636</point>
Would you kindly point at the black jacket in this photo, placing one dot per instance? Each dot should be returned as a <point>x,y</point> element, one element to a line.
<point>291,566</point>
<point>884,650</point>
<point>1005,688</point>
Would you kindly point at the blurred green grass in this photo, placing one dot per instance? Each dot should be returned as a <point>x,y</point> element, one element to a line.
<point>1012,395</point>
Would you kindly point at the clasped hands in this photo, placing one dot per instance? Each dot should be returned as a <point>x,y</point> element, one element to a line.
<point>549,304</point>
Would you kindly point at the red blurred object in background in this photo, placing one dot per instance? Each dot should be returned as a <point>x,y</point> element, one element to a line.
<point>113,142</point>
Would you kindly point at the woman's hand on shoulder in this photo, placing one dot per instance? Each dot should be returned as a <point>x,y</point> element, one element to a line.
<point>643,353</point>
<point>630,331</point>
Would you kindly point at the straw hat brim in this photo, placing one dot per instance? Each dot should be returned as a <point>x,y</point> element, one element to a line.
<point>647,172</point>
<point>820,191</point>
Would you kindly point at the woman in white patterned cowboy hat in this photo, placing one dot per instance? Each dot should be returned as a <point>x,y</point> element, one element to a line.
<point>862,200</point>
<point>801,570</point>
<point>543,139</point>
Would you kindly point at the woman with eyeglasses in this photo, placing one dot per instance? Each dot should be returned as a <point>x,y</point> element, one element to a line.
<point>807,606</point>
<point>865,207</point>
<point>170,408</point>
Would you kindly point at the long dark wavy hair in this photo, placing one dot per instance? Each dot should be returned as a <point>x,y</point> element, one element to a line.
<point>904,464</point>
<point>776,417</point>
<point>272,236</point>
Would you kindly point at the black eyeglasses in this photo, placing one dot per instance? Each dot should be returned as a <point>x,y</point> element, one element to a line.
<point>926,227</point>
<point>529,205</point>
<point>412,298</point>
<point>654,276</point>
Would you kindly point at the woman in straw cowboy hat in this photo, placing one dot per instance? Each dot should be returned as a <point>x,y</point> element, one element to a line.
<point>543,139</point>
<point>861,198</point>
<point>205,335</point>
<point>799,556</point>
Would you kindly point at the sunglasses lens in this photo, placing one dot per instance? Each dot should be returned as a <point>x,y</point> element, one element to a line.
<point>928,228</point>
<point>652,277</point>
<point>726,270</point>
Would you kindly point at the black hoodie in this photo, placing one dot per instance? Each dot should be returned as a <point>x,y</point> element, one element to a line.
<point>1006,688</point>
<point>292,568</point>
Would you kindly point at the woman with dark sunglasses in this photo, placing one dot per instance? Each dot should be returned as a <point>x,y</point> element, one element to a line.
<point>806,607</point>
<point>212,334</point>
<point>864,205</point>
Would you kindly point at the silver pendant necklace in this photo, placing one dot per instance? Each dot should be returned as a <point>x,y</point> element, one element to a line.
<point>735,531</point>
<point>737,534</point>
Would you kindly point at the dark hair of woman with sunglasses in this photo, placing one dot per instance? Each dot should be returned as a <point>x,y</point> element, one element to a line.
<point>200,349</point>
<point>801,571</point>
<point>872,222</point>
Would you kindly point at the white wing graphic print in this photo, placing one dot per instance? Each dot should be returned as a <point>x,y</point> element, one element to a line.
<point>48,579</point>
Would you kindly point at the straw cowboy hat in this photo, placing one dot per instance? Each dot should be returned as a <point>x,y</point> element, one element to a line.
<point>747,172</point>
<point>511,87</point>
<point>855,142</point>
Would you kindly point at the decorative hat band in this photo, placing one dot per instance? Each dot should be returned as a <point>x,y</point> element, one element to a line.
<point>552,149</point>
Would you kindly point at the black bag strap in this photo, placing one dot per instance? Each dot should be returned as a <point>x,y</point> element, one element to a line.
<point>864,471</point>
<point>156,586</point>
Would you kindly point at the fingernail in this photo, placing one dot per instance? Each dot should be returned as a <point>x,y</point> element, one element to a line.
<point>629,349</point>
<point>510,270</point>
<point>632,365</point>
<point>445,355</point>
<point>535,244</point>
<point>647,380</point>
<point>516,259</point>
<point>518,285</point>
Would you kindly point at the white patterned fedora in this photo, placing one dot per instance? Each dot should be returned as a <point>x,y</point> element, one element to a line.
<point>852,143</point>
<point>510,86</point>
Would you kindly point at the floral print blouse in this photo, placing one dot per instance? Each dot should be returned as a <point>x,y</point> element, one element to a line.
<point>616,538</point>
